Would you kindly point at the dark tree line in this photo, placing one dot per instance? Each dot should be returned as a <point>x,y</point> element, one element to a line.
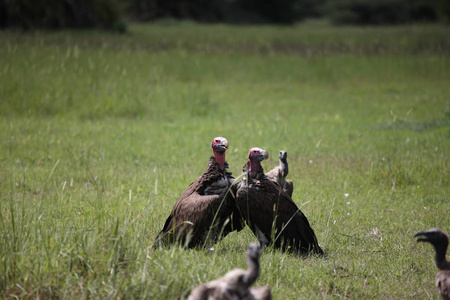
<point>229,11</point>
<point>378,12</point>
<point>54,14</point>
<point>111,14</point>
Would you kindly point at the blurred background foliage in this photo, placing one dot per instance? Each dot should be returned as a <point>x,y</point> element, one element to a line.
<point>114,14</point>
<point>54,14</point>
<point>380,12</point>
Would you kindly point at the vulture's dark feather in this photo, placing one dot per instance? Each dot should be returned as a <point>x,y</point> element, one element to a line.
<point>272,215</point>
<point>203,213</point>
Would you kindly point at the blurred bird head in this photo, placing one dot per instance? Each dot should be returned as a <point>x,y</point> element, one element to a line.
<point>257,154</point>
<point>219,144</point>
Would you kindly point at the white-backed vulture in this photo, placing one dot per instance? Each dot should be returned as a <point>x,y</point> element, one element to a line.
<point>235,285</point>
<point>270,213</point>
<point>204,212</point>
<point>439,240</point>
<point>279,173</point>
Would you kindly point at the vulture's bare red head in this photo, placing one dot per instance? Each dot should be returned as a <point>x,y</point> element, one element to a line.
<point>257,154</point>
<point>219,144</point>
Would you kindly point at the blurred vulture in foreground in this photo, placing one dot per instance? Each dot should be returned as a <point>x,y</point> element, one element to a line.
<point>235,284</point>
<point>270,213</point>
<point>204,212</point>
<point>439,240</point>
<point>279,173</point>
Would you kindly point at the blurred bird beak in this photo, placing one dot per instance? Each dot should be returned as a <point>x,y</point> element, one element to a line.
<point>265,154</point>
<point>225,143</point>
<point>421,236</point>
<point>220,144</point>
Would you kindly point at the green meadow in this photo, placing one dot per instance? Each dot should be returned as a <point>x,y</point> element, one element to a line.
<point>101,133</point>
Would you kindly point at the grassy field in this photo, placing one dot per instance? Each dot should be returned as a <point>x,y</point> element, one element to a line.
<point>100,134</point>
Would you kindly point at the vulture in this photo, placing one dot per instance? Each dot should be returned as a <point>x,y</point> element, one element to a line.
<point>279,173</point>
<point>270,213</point>
<point>439,240</point>
<point>204,212</point>
<point>236,283</point>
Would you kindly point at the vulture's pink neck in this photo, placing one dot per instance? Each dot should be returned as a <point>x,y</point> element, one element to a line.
<point>255,166</point>
<point>220,158</point>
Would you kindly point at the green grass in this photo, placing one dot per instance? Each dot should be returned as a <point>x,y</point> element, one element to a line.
<point>100,134</point>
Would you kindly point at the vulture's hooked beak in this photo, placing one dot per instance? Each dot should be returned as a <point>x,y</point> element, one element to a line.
<point>221,148</point>
<point>224,147</point>
<point>265,154</point>
<point>257,154</point>
<point>220,144</point>
<point>431,235</point>
<point>421,236</point>
<point>262,155</point>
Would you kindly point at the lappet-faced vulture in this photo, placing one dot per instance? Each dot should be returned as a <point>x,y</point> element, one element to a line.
<point>279,173</point>
<point>270,213</point>
<point>439,240</point>
<point>204,212</point>
<point>236,283</point>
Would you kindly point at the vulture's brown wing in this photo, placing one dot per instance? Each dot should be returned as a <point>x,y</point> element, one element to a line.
<point>261,293</point>
<point>204,205</point>
<point>263,202</point>
<point>289,187</point>
<point>274,174</point>
<point>200,292</point>
<point>194,216</point>
<point>443,283</point>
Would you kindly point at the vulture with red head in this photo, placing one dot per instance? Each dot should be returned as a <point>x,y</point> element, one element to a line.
<point>270,213</point>
<point>235,285</point>
<point>279,173</point>
<point>205,211</point>
<point>439,240</point>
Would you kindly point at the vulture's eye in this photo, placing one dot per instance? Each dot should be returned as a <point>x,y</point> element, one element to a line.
<point>217,141</point>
